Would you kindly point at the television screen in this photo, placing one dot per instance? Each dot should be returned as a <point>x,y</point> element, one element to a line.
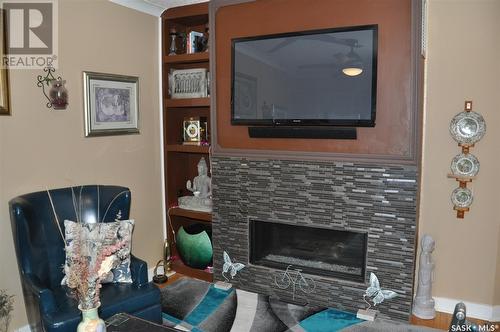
<point>321,77</point>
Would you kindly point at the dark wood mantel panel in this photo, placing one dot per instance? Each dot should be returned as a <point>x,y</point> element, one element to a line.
<point>395,130</point>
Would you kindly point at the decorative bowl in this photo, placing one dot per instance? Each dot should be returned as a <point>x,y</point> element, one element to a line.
<point>465,164</point>
<point>461,197</point>
<point>467,127</point>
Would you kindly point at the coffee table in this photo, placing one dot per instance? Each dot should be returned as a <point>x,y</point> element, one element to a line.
<point>124,322</point>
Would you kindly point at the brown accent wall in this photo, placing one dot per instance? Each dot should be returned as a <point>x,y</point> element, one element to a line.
<point>392,134</point>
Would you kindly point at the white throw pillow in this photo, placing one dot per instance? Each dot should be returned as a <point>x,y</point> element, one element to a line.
<point>97,235</point>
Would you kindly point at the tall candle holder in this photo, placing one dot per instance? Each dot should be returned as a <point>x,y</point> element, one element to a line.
<point>173,37</point>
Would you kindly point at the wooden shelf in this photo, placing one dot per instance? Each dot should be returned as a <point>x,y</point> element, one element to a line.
<point>186,58</point>
<point>181,160</point>
<point>187,148</point>
<point>203,216</point>
<point>179,267</point>
<point>461,178</point>
<point>188,102</point>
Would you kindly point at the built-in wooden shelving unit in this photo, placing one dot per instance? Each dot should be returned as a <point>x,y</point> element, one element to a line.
<point>187,103</point>
<point>180,159</point>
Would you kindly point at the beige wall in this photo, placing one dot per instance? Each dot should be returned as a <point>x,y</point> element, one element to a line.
<point>496,299</point>
<point>40,147</point>
<point>462,64</point>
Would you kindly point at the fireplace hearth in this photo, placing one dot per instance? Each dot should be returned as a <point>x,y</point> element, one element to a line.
<point>314,250</point>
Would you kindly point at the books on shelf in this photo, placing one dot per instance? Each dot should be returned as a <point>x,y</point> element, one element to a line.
<point>192,42</point>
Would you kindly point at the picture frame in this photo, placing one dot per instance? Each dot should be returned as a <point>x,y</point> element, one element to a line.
<point>4,73</point>
<point>111,104</point>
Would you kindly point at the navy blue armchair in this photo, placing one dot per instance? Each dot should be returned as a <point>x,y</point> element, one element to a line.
<point>40,256</point>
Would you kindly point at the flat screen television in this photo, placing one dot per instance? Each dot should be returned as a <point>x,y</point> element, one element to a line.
<point>321,77</point>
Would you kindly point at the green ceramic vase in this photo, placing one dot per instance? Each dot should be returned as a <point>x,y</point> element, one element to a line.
<point>91,321</point>
<point>194,246</point>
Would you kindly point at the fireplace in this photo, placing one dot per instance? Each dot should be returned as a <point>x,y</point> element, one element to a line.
<point>253,199</point>
<point>314,250</point>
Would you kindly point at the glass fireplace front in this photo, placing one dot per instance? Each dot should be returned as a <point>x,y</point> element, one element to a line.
<point>318,251</point>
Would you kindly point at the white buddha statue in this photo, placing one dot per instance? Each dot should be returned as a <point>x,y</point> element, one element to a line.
<point>201,189</point>
<point>423,304</point>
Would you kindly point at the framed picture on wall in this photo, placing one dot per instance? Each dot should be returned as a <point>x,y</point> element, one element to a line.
<point>111,104</point>
<point>4,74</point>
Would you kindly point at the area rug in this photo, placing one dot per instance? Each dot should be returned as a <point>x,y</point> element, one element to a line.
<point>194,305</point>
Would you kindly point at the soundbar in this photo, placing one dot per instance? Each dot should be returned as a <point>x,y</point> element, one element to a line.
<point>303,132</point>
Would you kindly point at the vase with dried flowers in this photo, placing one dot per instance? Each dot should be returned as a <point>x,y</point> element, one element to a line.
<point>6,307</point>
<point>88,263</point>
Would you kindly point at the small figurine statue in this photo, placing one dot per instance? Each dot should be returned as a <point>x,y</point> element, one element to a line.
<point>202,184</point>
<point>423,305</point>
<point>231,268</point>
<point>377,295</point>
<point>201,189</point>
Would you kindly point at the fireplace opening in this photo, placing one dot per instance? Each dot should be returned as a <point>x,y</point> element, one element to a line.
<point>319,251</point>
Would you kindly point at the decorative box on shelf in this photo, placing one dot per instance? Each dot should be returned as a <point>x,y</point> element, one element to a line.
<point>188,83</point>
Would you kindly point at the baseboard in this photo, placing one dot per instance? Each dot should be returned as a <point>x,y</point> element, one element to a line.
<point>474,310</point>
<point>496,313</point>
<point>25,328</point>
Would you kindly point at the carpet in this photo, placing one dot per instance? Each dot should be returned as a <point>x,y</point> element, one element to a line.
<point>195,305</point>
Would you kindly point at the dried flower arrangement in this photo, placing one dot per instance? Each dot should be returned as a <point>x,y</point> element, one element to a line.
<point>6,307</point>
<point>90,261</point>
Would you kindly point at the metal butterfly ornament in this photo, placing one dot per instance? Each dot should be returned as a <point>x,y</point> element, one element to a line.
<point>232,268</point>
<point>375,293</point>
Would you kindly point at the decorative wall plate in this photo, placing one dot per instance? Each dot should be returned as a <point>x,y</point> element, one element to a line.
<point>461,197</point>
<point>467,127</point>
<point>465,164</point>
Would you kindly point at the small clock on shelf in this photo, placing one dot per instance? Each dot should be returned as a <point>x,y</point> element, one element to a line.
<point>194,130</point>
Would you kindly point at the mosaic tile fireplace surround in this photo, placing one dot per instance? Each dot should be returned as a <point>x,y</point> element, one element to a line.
<point>375,200</point>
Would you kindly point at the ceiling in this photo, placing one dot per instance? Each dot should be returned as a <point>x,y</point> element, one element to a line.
<point>172,3</point>
<point>154,7</point>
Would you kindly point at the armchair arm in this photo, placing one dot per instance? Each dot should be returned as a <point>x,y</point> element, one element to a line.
<point>139,270</point>
<point>44,296</point>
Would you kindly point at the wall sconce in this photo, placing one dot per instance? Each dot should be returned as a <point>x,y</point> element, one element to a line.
<point>57,94</point>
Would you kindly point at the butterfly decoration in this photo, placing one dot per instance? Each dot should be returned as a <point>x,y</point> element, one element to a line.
<point>232,268</point>
<point>375,293</point>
